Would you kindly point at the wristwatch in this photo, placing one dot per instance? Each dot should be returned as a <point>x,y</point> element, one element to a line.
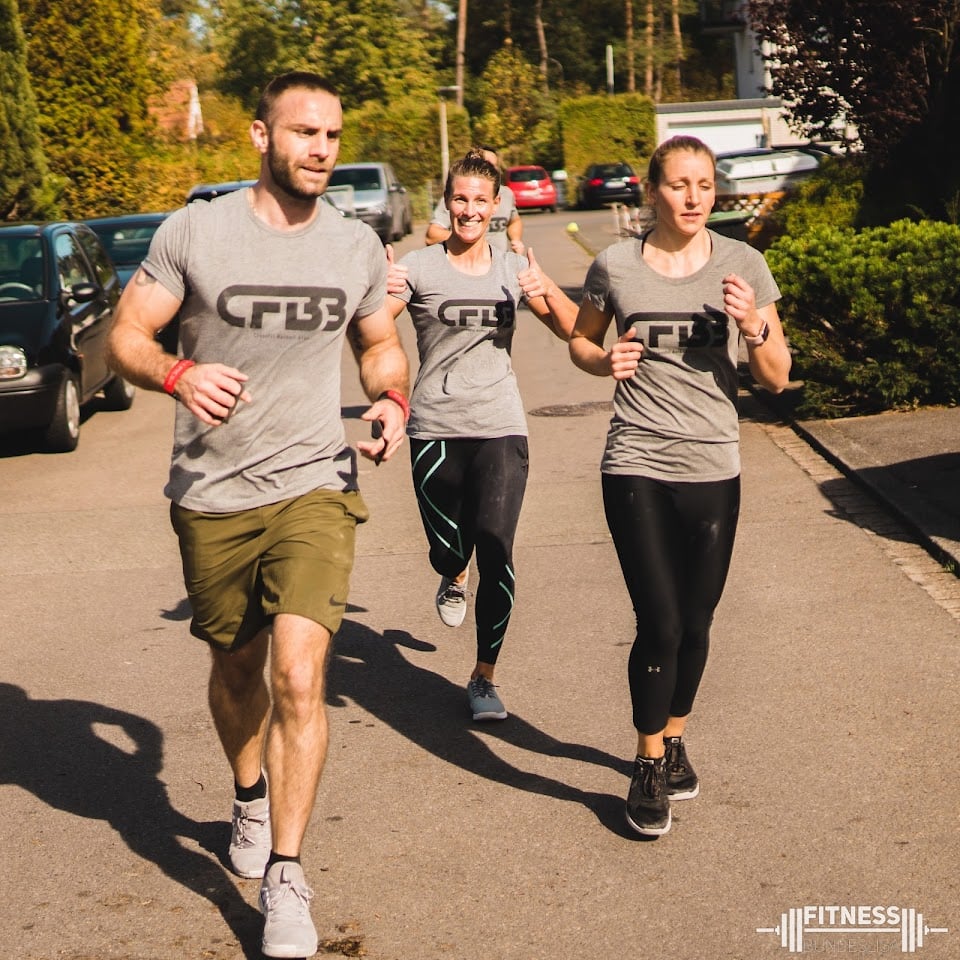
<point>760,338</point>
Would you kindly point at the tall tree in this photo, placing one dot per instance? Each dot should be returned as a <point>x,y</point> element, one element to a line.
<point>883,65</point>
<point>511,99</point>
<point>371,49</point>
<point>255,40</point>
<point>889,67</point>
<point>649,33</point>
<point>461,49</point>
<point>93,104</point>
<point>677,34</point>
<point>23,168</point>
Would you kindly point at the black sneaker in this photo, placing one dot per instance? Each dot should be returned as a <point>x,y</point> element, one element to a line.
<point>682,780</point>
<point>648,806</point>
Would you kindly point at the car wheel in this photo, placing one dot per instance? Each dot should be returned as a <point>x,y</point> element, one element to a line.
<point>119,394</point>
<point>550,209</point>
<point>63,432</point>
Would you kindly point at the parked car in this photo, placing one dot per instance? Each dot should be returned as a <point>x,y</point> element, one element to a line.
<point>604,183</point>
<point>378,197</point>
<point>58,292</point>
<point>210,191</point>
<point>127,239</point>
<point>532,188</point>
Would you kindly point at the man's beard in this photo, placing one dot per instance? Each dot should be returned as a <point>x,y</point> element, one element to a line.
<point>283,177</point>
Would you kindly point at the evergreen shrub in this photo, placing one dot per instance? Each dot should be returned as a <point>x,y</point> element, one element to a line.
<point>873,317</point>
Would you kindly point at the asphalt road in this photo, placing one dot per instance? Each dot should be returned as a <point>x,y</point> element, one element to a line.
<point>822,734</point>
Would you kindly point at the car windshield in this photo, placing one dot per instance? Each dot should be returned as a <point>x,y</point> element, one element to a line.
<point>359,179</point>
<point>609,171</point>
<point>525,176</point>
<point>21,269</point>
<point>127,245</point>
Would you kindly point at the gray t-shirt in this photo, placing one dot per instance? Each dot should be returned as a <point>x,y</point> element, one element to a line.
<point>676,418</point>
<point>497,231</point>
<point>275,305</point>
<point>465,386</point>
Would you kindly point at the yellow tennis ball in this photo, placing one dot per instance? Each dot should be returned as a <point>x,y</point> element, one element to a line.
<point>572,227</point>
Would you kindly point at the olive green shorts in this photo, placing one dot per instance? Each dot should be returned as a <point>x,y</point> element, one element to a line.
<point>241,569</point>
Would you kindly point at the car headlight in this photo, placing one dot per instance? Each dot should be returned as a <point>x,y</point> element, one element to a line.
<point>13,363</point>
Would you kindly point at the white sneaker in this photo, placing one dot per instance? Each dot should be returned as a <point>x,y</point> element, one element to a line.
<point>250,838</point>
<point>452,601</point>
<point>288,930</point>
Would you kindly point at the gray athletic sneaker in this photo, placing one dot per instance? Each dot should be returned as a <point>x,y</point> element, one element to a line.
<point>452,601</point>
<point>250,838</point>
<point>285,899</point>
<point>484,702</point>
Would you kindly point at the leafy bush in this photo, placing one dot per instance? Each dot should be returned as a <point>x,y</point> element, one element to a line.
<point>831,196</point>
<point>873,317</point>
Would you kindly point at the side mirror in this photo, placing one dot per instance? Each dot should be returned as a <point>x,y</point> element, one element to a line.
<point>82,292</point>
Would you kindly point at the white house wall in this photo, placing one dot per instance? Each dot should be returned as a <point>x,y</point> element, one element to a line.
<point>728,125</point>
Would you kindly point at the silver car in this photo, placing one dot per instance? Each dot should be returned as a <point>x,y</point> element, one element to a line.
<point>378,197</point>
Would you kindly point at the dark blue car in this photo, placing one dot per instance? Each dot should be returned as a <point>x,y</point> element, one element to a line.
<point>58,293</point>
<point>127,239</point>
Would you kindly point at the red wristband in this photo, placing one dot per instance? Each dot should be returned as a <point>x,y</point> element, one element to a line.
<point>398,398</point>
<point>176,372</point>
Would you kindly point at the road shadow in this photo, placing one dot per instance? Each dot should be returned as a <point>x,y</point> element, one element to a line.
<point>921,492</point>
<point>369,669</point>
<point>912,502</point>
<point>23,443</point>
<point>96,762</point>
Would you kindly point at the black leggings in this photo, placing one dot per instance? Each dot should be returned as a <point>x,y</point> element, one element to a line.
<point>470,493</point>
<point>674,541</point>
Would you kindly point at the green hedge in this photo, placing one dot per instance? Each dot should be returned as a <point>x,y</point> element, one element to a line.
<point>872,316</point>
<point>607,129</point>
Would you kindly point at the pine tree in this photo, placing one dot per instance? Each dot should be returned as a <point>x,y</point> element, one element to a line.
<point>94,103</point>
<point>23,168</point>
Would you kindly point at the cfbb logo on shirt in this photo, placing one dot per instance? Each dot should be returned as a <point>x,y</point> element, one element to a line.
<point>682,331</point>
<point>295,309</point>
<point>477,313</point>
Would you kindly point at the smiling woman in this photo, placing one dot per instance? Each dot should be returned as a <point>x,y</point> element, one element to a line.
<point>467,429</point>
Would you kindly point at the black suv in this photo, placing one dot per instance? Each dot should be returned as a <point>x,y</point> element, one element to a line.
<point>58,293</point>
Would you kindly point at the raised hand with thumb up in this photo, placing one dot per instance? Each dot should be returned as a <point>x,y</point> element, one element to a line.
<point>546,299</point>
<point>396,273</point>
<point>533,281</point>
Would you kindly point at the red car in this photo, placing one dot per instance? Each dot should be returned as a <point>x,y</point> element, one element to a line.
<point>532,188</point>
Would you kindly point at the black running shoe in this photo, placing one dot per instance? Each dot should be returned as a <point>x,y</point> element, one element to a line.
<point>682,780</point>
<point>648,806</point>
